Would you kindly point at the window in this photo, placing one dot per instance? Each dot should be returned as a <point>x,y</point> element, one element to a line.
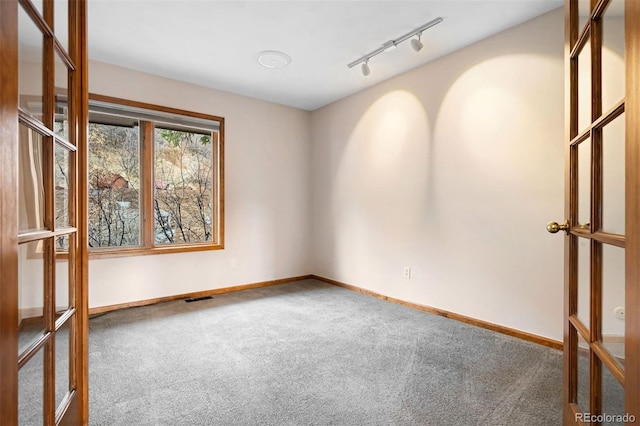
<point>114,185</point>
<point>155,179</point>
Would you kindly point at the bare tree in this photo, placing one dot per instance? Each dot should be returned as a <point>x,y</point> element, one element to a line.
<point>184,186</point>
<point>114,176</point>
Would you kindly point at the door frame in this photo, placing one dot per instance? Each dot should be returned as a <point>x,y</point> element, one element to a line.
<point>82,257</point>
<point>632,199</point>
<point>8,210</point>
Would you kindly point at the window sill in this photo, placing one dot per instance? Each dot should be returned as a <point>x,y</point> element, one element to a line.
<point>140,251</point>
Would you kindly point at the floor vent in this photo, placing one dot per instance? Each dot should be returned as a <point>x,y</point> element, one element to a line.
<point>197,299</point>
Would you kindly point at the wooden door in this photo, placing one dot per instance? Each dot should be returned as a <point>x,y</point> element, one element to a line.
<point>43,318</point>
<point>602,205</point>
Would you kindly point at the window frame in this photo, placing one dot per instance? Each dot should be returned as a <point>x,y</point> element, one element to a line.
<point>147,219</point>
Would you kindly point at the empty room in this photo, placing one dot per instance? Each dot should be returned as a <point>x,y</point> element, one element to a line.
<point>319,212</point>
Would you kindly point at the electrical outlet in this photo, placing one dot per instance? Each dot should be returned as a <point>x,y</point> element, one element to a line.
<point>619,313</point>
<point>233,263</point>
<point>407,272</point>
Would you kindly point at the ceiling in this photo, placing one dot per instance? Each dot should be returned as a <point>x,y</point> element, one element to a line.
<point>215,43</point>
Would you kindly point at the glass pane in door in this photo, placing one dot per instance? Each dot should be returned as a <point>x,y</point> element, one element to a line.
<point>64,258</point>
<point>584,285</point>
<point>31,391</point>
<point>61,22</point>
<point>62,185</point>
<point>613,176</point>
<point>31,266</point>
<point>584,182</point>
<point>613,55</point>
<point>584,87</point>
<point>61,111</point>
<point>30,180</point>
<point>30,65</point>
<point>583,375</point>
<point>613,302</point>
<point>62,362</point>
<point>62,244</point>
<point>584,12</point>
<point>612,399</point>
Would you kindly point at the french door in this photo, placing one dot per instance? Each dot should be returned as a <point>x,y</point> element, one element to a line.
<point>602,205</point>
<point>43,322</point>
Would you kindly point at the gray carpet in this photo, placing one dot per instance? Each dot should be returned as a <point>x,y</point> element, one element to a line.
<point>308,353</point>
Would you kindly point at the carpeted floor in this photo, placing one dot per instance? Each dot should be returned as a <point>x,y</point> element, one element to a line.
<point>308,353</point>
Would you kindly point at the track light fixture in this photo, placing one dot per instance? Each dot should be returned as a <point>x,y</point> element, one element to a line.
<point>365,68</point>
<point>416,44</point>
<point>390,45</point>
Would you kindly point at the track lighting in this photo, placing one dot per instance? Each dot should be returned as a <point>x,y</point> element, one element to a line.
<point>365,68</point>
<point>390,45</point>
<point>416,44</point>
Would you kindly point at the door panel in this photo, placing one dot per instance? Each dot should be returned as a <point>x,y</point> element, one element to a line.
<point>601,286</point>
<point>42,360</point>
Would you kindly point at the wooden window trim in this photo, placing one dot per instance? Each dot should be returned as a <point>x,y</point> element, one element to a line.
<point>148,246</point>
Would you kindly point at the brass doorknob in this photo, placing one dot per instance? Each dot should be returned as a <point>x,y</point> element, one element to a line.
<point>554,227</point>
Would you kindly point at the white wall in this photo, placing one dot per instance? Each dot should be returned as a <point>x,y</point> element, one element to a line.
<point>266,195</point>
<point>453,169</point>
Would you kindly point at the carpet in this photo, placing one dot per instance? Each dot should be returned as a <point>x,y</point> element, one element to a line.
<point>308,353</point>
